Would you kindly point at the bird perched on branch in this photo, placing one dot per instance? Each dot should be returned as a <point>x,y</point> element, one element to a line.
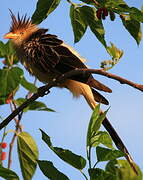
<point>47,57</point>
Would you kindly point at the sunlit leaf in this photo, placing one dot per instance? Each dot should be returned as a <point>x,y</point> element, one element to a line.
<point>102,137</point>
<point>94,125</point>
<point>28,155</point>
<point>50,171</point>
<point>123,171</point>
<point>115,53</point>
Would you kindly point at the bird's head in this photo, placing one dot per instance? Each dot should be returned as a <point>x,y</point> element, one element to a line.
<point>20,30</point>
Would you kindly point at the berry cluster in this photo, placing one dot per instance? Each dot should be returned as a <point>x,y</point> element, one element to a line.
<point>102,13</point>
<point>3,154</point>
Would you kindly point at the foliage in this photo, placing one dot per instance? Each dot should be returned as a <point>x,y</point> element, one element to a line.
<point>85,14</point>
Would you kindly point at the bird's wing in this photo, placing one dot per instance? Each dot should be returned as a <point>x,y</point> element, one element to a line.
<point>53,54</point>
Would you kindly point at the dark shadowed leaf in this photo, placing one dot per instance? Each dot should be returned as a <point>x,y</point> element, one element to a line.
<point>100,174</point>
<point>133,27</point>
<point>46,138</point>
<point>27,85</point>
<point>104,154</point>
<point>8,174</point>
<point>33,106</point>
<point>96,26</point>
<point>136,14</point>
<point>9,81</point>
<point>78,23</point>
<point>43,9</point>
<point>88,2</point>
<point>69,157</point>
<point>28,154</point>
<point>50,171</point>
<point>122,170</point>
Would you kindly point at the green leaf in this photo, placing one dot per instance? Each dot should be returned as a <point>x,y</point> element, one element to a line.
<point>8,52</point>
<point>104,154</point>
<point>69,157</point>
<point>33,106</point>
<point>6,49</point>
<point>50,171</point>
<point>102,137</point>
<point>116,55</point>
<point>28,154</point>
<point>94,125</point>
<point>43,9</point>
<point>39,106</point>
<point>2,49</point>
<point>133,27</point>
<point>88,2</point>
<point>9,81</point>
<point>122,170</point>
<point>100,174</point>
<point>27,85</point>
<point>114,52</point>
<point>136,14</point>
<point>8,174</point>
<point>46,138</point>
<point>96,26</point>
<point>78,23</point>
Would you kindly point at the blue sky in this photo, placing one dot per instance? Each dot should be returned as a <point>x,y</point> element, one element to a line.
<point>67,127</point>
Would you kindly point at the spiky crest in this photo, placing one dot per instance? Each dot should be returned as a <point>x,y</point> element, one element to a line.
<point>19,22</point>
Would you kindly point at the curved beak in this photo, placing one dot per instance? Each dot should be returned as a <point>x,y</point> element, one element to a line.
<point>10,35</point>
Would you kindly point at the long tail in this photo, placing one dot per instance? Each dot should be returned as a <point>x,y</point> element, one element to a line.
<point>91,97</point>
<point>119,143</point>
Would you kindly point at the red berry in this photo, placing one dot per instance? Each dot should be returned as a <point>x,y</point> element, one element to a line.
<point>98,13</point>
<point>4,62</point>
<point>9,98</point>
<point>112,15</point>
<point>4,145</point>
<point>3,156</point>
<point>103,16</point>
<point>105,11</point>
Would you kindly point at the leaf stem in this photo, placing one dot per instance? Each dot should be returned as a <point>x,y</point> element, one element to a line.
<point>83,174</point>
<point>88,150</point>
<point>95,164</point>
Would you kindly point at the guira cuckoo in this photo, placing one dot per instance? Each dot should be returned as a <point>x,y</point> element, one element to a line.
<point>45,56</point>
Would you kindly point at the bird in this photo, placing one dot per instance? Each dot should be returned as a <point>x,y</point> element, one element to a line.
<point>46,57</point>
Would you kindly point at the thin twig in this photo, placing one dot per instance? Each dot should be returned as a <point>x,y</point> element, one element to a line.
<point>17,128</point>
<point>42,90</point>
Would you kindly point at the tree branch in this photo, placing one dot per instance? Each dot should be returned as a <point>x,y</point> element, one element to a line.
<point>42,90</point>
